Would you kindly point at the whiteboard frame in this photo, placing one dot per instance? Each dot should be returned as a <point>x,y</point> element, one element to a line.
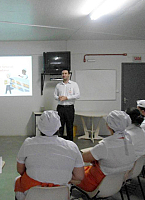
<point>95,89</point>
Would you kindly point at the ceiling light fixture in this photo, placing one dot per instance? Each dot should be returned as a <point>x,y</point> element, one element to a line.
<point>89,5</point>
<point>107,6</point>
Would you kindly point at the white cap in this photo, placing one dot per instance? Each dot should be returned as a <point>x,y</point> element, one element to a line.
<point>49,122</point>
<point>118,120</point>
<point>141,103</point>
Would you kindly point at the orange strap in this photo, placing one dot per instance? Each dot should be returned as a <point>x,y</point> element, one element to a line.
<point>24,183</point>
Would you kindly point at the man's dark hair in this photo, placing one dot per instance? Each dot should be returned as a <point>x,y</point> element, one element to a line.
<point>67,70</point>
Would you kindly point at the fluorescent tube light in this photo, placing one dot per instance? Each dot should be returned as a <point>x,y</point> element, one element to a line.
<point>106,7</point>
<point>89,5</point>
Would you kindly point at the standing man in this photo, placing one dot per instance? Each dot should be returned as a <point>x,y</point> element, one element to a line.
<point>66,93</point>
<point>141,107</point>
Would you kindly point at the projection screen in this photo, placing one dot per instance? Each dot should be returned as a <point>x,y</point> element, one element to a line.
<point>15,75</point>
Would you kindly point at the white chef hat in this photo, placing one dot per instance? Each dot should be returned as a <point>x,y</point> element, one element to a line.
<point>118,120</point>
<point>49,122</point>
<point>141,103</point>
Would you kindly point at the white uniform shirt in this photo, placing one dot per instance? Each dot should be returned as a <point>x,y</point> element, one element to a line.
<point>71,90</point>
<point>50,159</point>
<point>138,139</point>
<point>143,125</point>
<point>110,153</point>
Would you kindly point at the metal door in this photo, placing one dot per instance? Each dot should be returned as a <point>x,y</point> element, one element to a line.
<point>133,84</point>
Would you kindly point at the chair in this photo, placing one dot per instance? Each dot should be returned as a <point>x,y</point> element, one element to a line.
<point>143,170</point>
<point>134,173</point>
<point>109,186</point>
<point>48,193</point>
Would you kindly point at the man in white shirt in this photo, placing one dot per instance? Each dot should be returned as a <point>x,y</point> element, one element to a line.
<point>141,107</point>
<point>66,93</point>
<point>24,75</point>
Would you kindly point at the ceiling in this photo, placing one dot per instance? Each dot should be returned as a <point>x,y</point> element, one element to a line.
<point>48,20</point>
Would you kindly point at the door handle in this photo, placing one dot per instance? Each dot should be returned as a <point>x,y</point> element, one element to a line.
<point>125,100</point>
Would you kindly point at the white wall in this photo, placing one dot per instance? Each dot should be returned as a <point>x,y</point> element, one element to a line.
<point>16,112</point>
<point>80,48</point>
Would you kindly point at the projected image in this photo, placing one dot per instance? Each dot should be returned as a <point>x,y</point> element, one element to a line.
<point>16,76</point>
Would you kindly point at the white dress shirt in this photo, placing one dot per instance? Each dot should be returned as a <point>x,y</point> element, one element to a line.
<point>70,90</point>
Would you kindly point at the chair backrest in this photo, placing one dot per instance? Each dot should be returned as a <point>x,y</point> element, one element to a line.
<point>109,186</point>
<point>136,170</point>
<point>48,193</point>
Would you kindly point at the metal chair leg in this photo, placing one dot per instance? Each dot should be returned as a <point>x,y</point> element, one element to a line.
<point>141,187</point>
<point>127,193</point>
<point>143,171</point>
<point>121,194</point>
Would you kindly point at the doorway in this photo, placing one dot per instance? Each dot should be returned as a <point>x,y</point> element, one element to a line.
<point>133,84</point>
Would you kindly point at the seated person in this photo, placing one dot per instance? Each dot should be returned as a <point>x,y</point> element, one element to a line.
<point>136,132</point>
<point>141,108</point>
<point>47,160</point>
<point>112,155</point>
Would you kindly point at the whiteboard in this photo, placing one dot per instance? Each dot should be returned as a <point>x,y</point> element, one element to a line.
<point>96,84</point>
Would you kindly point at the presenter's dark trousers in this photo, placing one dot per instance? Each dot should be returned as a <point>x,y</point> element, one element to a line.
<point>66,114</point>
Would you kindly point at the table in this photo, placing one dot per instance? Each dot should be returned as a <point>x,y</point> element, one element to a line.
<point>94,132</point>
<point>36,118</point>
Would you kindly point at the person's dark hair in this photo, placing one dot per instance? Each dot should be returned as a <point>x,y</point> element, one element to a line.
<point>69,72</point>
<point>141,108</point>
<point>135,115</point>
<point>42,134</point>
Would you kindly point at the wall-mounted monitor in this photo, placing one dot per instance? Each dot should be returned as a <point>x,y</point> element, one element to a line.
<point>55,62</point>
<point>15,75</point>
